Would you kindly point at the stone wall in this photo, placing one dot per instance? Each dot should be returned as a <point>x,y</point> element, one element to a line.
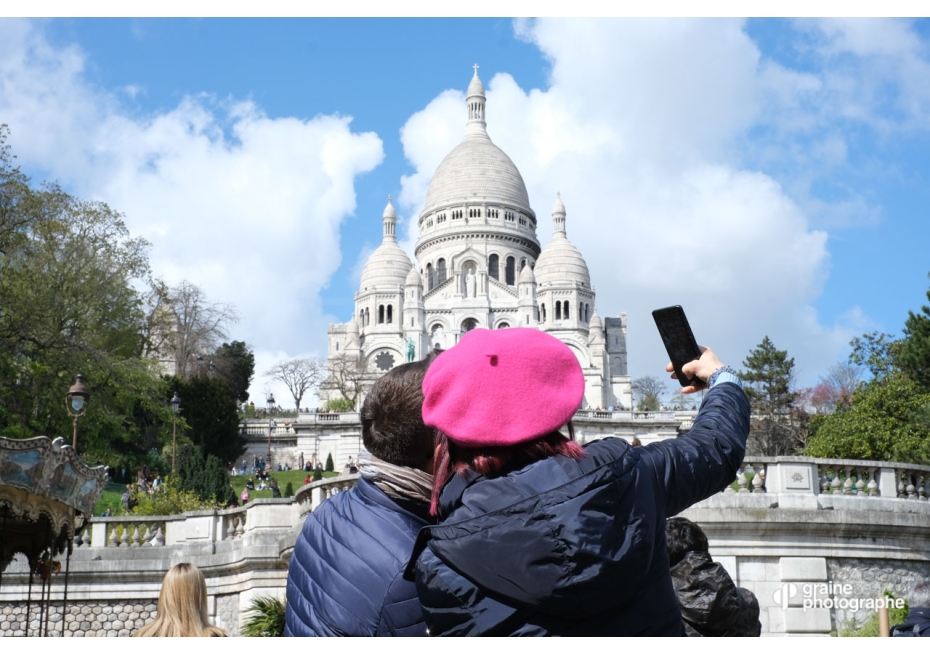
<point>869,579</point>
<point>227,613</point>
<point>113,618</point>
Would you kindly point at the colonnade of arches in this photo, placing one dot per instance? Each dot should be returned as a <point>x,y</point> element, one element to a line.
<point>385,315</point>
<point>436,275</point>
<point>563,311</point>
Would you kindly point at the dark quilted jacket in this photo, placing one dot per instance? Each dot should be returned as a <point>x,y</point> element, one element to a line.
<point>565,547</point>
<point>345,576</point>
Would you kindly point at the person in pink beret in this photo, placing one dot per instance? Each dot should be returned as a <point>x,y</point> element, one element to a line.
<point>538,535</point>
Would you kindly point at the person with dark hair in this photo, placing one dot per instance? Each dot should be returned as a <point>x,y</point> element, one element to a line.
<point>711,603</point>
<point>346,573</point>
<point>918,613</point>
<point>541,536</point>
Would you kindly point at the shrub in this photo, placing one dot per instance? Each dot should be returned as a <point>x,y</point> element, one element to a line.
<point>339,405</point>
<point>329,463</point>
<point>169,499</point>
<point>289,489</point>
<point>266,618</point>
<point>870,627</point>
<point>317,475</point>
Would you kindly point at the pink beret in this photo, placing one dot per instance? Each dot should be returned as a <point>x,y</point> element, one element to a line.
<point>502,387</point>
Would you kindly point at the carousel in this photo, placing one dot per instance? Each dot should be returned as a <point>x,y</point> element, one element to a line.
<point>46,497</point>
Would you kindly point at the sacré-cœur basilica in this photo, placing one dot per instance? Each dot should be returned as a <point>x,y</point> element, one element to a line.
<point>478,265</point>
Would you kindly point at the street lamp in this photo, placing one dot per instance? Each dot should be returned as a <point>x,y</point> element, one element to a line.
<point>76,399</point>
<point>199,365</point>
<point>271,424</point>
<point>175,404</point>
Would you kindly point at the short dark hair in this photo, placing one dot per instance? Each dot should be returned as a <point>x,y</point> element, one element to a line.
<point>683,536</point>
<point>392,416</point>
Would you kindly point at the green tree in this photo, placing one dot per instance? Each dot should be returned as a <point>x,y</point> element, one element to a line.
<point>206,477</point>
<point>235,364</point>
<point>885,422</point>
<point>777,427</point>
<point>330,466</point>
<point>914,354</point>
<point>208,407</point>
<point>70,302</point>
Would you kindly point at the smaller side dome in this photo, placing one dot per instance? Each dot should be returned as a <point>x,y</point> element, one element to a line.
<point>560,262</point>
<point>388,265</point>
<point>413,278</point>
<point>527,276</point>
<point>352,325</point>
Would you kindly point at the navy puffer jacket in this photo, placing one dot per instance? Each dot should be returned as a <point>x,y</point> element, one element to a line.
<point>565,547</point>
<point>346,571</point>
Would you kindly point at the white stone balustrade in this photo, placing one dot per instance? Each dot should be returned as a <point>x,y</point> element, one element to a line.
<point>785,521</point>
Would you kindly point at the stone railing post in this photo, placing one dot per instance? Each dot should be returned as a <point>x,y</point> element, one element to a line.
<point>887,482</point>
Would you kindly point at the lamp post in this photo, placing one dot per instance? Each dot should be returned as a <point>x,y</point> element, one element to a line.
<point>76,399</point>
<point>175,404</point>
<point>199,365</point>
<point>271,424</point>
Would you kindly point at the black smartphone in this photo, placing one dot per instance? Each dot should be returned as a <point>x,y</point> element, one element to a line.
<point>678,339</point>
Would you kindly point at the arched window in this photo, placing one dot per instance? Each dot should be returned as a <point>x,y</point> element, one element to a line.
<point>510,271</point>
<point>430,277</point>
<point>469,324</point>
<point>337,346</point>
<point>411,321</point>
<point>380,313</point>
<point>542,311</point>
<point>567,315</point>
<point>587,313</point>
<point>503,326</point>
<point>494,267</point>
<point>440,271</point>
<point>558,310</point>
<point>523,263</point>
<point>390,314</point>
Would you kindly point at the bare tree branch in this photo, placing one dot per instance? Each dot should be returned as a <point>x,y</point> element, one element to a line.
<point>347,376</point>
<point>299,375</point>
<point>200,324</point>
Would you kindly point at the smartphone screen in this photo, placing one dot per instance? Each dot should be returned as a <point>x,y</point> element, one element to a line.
<point>678,339</point>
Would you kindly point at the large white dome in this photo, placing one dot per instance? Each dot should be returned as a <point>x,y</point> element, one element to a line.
<point>476,169</point>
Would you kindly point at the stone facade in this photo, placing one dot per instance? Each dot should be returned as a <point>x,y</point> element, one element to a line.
<point>478,264</point>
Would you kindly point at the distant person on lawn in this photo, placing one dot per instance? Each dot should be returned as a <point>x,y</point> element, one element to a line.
<point>345,576</point>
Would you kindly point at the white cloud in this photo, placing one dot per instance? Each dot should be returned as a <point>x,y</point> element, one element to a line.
<point>644,130</point>
<point>245,206</point>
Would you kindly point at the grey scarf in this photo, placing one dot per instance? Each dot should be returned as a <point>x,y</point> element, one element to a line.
<point>398,481</point>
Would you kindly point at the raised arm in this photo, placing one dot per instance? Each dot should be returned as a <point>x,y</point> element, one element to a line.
<point>704,460</point>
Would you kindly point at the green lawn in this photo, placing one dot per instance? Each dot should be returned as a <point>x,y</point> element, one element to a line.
<point>114,490</point>
<point>283,477</point>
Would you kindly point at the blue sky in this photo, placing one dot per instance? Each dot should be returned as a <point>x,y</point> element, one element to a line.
<point>768,175</point>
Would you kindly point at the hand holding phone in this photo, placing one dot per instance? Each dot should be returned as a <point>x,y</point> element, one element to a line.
<point>679,342</point>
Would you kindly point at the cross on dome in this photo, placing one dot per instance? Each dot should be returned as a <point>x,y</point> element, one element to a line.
<point>476,67</point>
